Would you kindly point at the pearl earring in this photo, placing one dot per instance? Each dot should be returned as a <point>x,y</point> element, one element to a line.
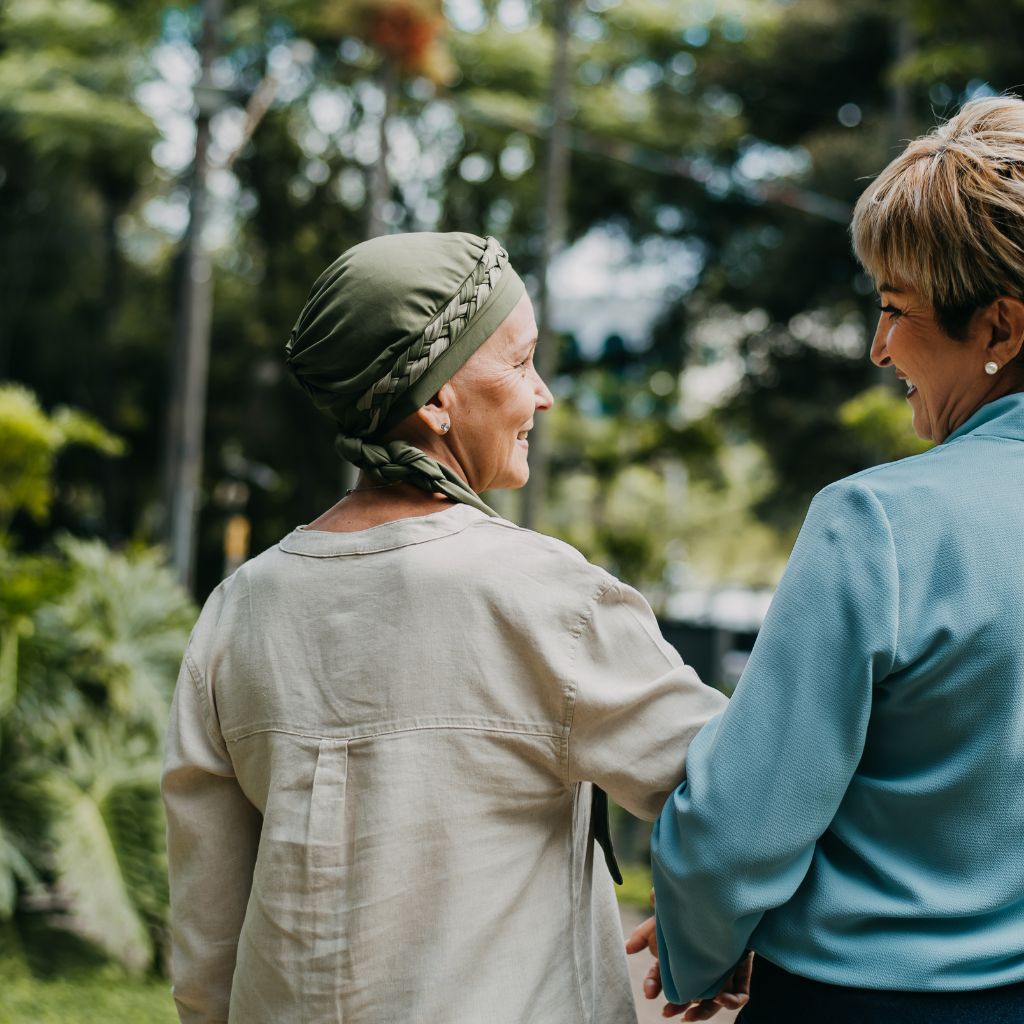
<point>991,368</point>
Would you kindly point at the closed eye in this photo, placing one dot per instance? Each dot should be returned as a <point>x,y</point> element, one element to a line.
<point>891,310</point>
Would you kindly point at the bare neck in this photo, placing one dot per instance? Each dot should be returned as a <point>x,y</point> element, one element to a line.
<point>369,504</point>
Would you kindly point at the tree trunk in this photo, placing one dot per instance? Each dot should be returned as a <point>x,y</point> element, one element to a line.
<point>899,92</point>
<point>556,184</point>
<point>111,473</point>
<point>187,408</point>
<point>380,183</point>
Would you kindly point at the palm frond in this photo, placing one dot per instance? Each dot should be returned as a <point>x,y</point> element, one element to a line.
<point>90,882</point>
<point>15,872</point>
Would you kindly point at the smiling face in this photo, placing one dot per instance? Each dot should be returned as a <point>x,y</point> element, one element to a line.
<point>945,377</point>
<point>492,401</point>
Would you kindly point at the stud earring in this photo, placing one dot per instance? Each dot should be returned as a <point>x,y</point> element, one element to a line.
<point>991,368</point>
<point>445,426</point>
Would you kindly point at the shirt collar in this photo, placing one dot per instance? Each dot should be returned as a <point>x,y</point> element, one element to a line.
<point>386,537</point>
<point>1002,418</point>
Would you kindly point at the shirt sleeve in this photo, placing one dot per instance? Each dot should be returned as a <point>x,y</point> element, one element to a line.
<point>212,837</point>
<point>765,779</point>
<point>637,706</point>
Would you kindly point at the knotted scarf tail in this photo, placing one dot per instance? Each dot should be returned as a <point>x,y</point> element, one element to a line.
<point>601,825</point>
<point>391,461</point>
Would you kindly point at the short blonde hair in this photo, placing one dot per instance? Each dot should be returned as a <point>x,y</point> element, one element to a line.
<point>946,217</point>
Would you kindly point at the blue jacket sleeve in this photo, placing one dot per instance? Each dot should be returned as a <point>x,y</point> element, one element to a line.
<point>764,779</point>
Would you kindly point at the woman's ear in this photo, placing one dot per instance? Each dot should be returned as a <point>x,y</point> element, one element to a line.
<point>436,415</point>
<point>1004,319</point>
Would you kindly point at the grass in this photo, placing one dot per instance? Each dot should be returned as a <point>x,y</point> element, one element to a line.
<point>106,996</point>
<point>54,979</point>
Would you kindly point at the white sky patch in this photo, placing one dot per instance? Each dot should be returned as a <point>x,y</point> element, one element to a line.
<point>703,388</point>
<point>516,158</point>
<point>168,214</point>
<point>763,162</point>
<point>466,15</point>
<point>289,63</point>
<point>363,144</point>
<point>403,151</point>
<point>227,128</point>
<point>640,77</point>
<point>330,110</point>
<point>717,366</point>
<point>177,63</point>
<point>371,96</point>
<point>167,99</point>
<point>605,285</point>
<point>514,15</point>
<point>819,330</point>
<point>313,142</point>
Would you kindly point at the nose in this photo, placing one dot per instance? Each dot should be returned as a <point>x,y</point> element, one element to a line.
<point>543,393</point>
<point>879,350</point>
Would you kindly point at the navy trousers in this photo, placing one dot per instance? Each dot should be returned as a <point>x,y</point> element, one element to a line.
<point>778,997</point>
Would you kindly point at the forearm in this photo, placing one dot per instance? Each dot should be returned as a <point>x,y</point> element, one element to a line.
<point>718,864</point>
<point>765,780</point>
<point>212,839</point>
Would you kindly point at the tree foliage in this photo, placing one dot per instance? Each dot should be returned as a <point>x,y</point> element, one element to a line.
<point>735,135</point>
<point>90,642</point>
<point>30,441</point>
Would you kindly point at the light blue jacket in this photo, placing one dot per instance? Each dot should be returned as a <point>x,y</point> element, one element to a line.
<point>856,815</point>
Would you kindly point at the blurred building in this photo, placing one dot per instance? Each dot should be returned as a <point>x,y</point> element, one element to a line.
<point>714,629</point>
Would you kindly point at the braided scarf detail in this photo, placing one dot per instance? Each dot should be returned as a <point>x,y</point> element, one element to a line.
<point>391,461</point>
<point>438,335</point>
<point>394,461</point>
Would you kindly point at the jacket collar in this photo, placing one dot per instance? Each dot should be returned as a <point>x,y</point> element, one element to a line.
<point>1002,418</point>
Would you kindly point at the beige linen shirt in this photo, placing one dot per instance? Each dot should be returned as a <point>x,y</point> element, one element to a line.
<point>378,773</point>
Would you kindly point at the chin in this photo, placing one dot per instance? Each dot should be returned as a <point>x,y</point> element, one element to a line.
<point>511,482</point>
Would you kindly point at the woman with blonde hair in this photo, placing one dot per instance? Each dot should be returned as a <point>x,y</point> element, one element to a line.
<point>856,815</point>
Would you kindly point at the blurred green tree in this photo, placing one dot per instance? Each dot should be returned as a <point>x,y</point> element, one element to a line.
<point>31,442</point>
<point>735,135</point>
<point>90,642</point>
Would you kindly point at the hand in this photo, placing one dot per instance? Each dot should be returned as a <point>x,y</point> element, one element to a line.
<point>645,936</point>
<point>734,994</point>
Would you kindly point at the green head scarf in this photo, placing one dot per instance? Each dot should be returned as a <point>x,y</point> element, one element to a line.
<point>386,325</point>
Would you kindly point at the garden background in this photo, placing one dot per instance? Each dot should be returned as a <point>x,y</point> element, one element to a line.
<point>674,180</point>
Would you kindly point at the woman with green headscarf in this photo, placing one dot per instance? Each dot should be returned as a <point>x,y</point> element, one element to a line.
<point>389,729</point>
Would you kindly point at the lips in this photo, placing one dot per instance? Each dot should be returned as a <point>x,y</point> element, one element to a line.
<point>911,386</point>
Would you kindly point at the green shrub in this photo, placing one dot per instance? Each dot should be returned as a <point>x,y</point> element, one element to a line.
<point>90,642</point>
